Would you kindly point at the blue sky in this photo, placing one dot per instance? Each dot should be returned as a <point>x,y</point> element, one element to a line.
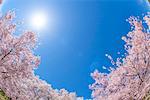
<point>77,36</point>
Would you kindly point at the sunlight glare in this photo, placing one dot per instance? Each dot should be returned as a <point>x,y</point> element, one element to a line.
<point>38,20</point>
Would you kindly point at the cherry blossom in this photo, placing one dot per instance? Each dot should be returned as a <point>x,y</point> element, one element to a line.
<point>130,80</point>
<point>17,64</point>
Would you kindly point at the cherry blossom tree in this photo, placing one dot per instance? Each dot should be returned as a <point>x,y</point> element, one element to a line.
<point>17,64</point>
<point>130,78</point>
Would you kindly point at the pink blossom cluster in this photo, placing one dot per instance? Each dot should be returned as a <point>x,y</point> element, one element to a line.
<point>130,80</point>
<point>17,64</point>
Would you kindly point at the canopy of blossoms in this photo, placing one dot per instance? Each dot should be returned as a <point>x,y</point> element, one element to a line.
<point>17,64</point>
<point>130,80</point>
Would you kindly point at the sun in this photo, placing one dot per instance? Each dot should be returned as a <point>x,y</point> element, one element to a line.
<point>38,20</point>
